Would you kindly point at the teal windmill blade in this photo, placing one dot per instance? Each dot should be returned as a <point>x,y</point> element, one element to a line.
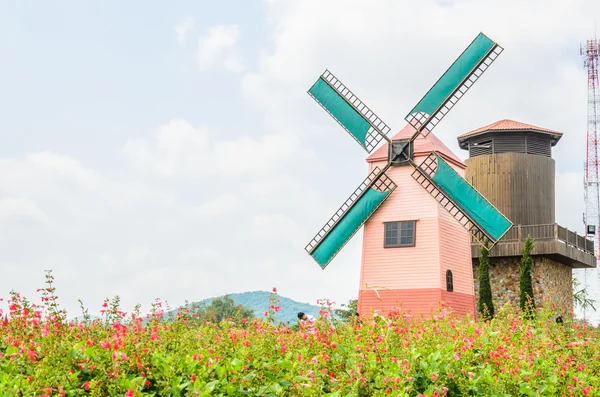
<point>348,219</point>
<point>349,111</point>
<point>453,84</point>
<point>461,200</point>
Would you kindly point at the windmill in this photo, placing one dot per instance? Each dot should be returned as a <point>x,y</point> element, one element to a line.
<point>473,211</point>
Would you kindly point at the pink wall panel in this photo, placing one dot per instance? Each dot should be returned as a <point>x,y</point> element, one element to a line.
<point>459,303</point>
<point>407,267</point>
<point>455,251</point>
<point>455,254</point>
<point>412,301</point>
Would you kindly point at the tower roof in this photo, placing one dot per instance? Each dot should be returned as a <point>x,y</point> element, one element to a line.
<point>510,126</point>
<point>423,146</point>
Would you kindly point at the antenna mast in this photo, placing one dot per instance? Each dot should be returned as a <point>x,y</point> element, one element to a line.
<point>589,52</point>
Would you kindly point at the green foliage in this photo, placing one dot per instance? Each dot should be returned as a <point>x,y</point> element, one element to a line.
<point>348,310</point>
<point>221,309</point>
<point>581,297</point>
<point>258,302</point>
<point>526,298</point>
<point>485,305</point>
<point>443,354</point>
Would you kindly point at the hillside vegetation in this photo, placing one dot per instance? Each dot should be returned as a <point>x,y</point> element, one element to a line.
<point>258,302</point>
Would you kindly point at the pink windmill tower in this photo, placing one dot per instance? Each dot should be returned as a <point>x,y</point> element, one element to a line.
<point>415,253</point>
<point>417,208</point>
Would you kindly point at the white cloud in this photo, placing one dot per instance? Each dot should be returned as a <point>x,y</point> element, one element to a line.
<point>276,229</point>
<point>18,209</point>
<point>180,150</point>
<point>219,46</point>
<point>570,204</point>
<point>182,29</point>
<point>175,148</point>
<point>223,204</point>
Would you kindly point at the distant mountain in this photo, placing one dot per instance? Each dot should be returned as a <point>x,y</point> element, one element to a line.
<point>258,302</point>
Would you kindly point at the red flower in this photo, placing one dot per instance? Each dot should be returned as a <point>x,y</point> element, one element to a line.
<point>129,393</point>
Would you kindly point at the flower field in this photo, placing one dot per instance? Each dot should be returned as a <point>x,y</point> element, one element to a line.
<point>126,354</point>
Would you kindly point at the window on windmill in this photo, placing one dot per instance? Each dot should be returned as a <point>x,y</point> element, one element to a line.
<point>399,234</point>
<point>449,281</point>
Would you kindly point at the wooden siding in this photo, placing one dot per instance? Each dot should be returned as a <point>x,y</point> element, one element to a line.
<point>540,145</point>
<point>510,142</point>
<point>403,267</point>
<point>460,303</point>
<point>455,254</point>
<point>507,142</point>
<point>557,250</point>
<point>414,301</point>
<point>520,185</point>
<point>423,301</point>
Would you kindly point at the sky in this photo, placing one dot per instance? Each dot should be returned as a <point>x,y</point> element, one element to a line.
<point>152,151</point>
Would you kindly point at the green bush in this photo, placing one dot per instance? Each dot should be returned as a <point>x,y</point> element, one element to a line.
<point>485,305</point>
<point>399,355</point>
<point>526,298</point>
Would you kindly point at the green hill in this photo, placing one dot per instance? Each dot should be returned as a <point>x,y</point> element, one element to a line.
<point>258,302</point>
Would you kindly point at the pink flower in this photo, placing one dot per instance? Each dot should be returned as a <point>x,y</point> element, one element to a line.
<point>129,393</point>
<point>32,355</point>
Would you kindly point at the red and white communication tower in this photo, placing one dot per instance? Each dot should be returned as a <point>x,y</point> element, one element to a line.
<point>589,51</point>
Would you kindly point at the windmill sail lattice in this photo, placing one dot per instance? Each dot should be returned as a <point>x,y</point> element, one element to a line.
<point>349,111</point>
<point>461,200</point>
<point>451,191</point>
<point>346,221</point>
<point>453,84</point>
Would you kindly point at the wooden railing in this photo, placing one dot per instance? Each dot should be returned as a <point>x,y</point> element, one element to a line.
<point>553,232</point>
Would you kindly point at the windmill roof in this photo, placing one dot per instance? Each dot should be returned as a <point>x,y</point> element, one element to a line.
<point>510,126</point>
<point>423,146</point>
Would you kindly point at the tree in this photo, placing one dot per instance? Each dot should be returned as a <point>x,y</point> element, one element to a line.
<point>581,297</point>
<point>485,305</point>
<point>349,312</point>
<point>222,309</point>
<point>526,299</point>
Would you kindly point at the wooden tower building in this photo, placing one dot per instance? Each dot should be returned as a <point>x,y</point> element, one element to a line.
<point>511,164</point>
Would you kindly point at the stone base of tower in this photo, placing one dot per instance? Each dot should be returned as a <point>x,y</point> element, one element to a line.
<point>416,302</point>
<point>551,282</point>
